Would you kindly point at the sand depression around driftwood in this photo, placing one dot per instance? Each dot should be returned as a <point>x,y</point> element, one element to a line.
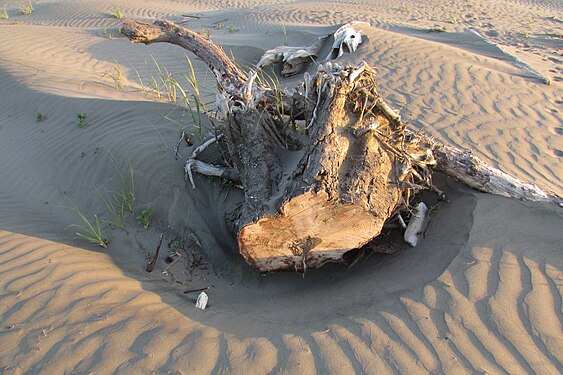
<point>480,294</point>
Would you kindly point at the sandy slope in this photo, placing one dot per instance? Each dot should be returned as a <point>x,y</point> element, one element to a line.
<point>481,294</point>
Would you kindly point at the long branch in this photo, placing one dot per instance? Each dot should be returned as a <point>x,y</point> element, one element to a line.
<point>227,73</point>
<point>475,173</point>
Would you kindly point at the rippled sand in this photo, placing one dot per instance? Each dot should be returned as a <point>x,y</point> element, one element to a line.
<point>480,294</point>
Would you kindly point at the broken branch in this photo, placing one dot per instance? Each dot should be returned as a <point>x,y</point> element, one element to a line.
<point>151,265</point>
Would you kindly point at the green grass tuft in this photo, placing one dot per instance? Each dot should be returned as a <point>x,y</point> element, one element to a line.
<point>82,123</point>
<point>116,75</point>
<point>145,217</point>
<point>91,231</point>
<point>117,13</point>
<point>127,181</point>
<point>116,205</point>
<point>26,7</point>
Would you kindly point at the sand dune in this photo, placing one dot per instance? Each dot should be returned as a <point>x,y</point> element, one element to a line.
<point>480,294</point>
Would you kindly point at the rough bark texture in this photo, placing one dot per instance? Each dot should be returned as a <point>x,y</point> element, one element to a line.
<point>340,193</point>
<point>354,167</point>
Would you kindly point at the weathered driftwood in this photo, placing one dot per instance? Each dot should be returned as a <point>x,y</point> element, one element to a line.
<point>472,171</point>
<point>353,165</point>
<point>295,60</point>
<point>201,302</point>
<point>417,224</point>
<point>356,171</point>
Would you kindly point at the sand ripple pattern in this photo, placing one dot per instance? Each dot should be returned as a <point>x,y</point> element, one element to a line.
<point>495,309</point>
<point>481,294</point>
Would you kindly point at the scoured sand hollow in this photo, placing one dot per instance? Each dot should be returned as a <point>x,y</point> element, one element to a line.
<point>480,294</point>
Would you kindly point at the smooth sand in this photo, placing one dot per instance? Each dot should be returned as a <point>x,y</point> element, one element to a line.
<point>482,293</point>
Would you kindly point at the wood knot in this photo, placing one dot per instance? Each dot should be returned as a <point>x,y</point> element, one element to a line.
<point>302,246</point>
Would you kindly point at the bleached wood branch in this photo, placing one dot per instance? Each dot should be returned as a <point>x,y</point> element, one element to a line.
<point>296,59</point>
<point>228,75</point>
<point>475,173</point>
<point>206,169</point>
<point>346,39</point>
<point>417,224</point>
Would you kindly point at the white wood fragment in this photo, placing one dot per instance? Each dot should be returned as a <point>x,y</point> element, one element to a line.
<point>346,36</point>
<point>296,59</point>
<point>356,72</point>
<point>201,302</point>
<point>189,165</point>
<point>402,222</point>
<point>417,224</point>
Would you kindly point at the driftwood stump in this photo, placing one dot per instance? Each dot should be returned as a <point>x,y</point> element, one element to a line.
<point>325,167</point>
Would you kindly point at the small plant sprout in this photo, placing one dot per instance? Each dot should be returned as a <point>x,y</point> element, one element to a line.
<point>529,27</point>
<point>116,75</point>
<point>4,14</point>
<point>107,34</point>
<point>145,217</point>
<point>116,206</point>
<point>198,107</point>
<point>166,84</point>
<point>117,13</point>
<point>172,88</point>
<point>82,123</point>
<point>177,244</point>
<point>119,203</point>
<point>274,83</point>
<point>26,7</point>
<point>90,231</point>
<point>127,181</point>
<point>39,117</point>
<point>402,9</point>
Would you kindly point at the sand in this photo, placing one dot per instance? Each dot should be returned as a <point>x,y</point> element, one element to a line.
<point>482,293</point>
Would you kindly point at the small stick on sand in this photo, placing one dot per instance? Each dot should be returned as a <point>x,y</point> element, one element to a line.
<point>196,290</point>
<point>177,148</point>
<point>150,267</point>
<point>165,271</point>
